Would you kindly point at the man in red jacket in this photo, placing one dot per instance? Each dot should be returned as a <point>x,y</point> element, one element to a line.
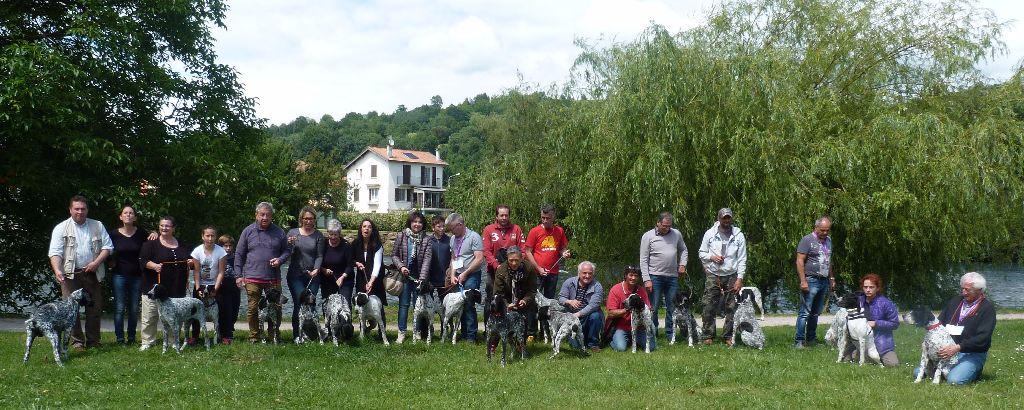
<point>498,237</point>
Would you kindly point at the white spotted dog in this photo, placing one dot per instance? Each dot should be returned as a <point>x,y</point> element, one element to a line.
<point>935,339</point>
<point>564,324</point>
<point>544,307</point>
<point>745,326</point>
<point>424,310</point>
<point>837,329</point>
<point>858,334</point>
<point>270,303</point>
<point>758,302</point>
<point>640,315</point>
<point>309,326</point>
<point>451,310</point>
<point>507,327</point>
<point>55,320</point>
<point>683,322</point>
<point>176,313</point>
<point>337,318</point>
<point>207,295</point>
<point>370,311</point>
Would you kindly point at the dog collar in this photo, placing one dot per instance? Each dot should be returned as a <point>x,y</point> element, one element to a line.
<point>935,326</point>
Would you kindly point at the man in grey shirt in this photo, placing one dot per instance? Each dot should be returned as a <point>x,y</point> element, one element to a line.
<point>262,248</point>
<point>663,258</point>
<point>814,269</point>
<point>467,259</point>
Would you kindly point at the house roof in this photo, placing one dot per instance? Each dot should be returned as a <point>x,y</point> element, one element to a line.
<point>400,155</point>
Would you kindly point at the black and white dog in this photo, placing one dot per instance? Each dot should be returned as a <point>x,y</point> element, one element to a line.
<point>683,322</point>
<point>936,338</point>
<point>564,324</point>
<point>207,294</point>
<point>758,301</point>
<point>507,327</point>
<point>309,326</point>
<point>640,315</point>
<point>858,334</point>
<point>55,320</point>
<point>176,313</point>
<point>451,310</point>
<point>337,318</point>
<point>424,310</point>
<point>270,303</point>
<point>544,307</point>
<point>370,311</point>
<point>745,326</point>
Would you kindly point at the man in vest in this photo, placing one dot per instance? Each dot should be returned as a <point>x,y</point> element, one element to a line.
<point>78,247</point>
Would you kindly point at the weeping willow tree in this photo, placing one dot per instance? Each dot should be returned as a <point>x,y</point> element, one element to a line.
<point>872,112</point>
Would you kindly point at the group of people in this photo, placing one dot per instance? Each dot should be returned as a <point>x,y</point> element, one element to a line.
<point>502,262</point>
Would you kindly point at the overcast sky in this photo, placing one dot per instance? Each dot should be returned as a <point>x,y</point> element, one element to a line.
<point>315,57</point>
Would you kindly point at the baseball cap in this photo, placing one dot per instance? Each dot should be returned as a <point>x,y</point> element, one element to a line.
<point>724,212</point>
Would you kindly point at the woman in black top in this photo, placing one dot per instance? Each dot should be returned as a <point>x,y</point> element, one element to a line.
<point>441,255</point>
<point>368,255</point>
<point>127,277</point>
<point>164,261</point>
<point>337,264</point>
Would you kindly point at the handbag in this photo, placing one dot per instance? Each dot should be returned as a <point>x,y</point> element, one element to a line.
<point>394,281</point>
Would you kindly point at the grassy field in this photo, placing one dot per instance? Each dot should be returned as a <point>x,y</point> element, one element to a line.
<point>442,376</point>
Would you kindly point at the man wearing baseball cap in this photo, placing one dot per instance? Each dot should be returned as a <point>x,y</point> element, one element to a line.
<point>723,252</point>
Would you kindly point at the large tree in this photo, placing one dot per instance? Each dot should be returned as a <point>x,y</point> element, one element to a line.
<point>106,98</point>
<point>872,112</point>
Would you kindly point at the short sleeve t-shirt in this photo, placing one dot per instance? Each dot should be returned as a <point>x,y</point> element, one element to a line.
<point>546,245</point>
<point>463,248</point>
<point>819,255</point>
<point>207,264</point>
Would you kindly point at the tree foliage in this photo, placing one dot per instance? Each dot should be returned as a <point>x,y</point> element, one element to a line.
<point>785,110</point>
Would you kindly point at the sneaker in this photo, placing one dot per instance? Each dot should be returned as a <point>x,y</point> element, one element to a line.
<point>192,341</point>
<point>729,342</point>
<point>811,343</point>
<point>145,346</point>
<point>401,338</point>
<point>529,340</point>
<point>78,347</point>
<point>595,349</point>
<point>225,341</point>
<point>798,344</point>
<point>707,342</point>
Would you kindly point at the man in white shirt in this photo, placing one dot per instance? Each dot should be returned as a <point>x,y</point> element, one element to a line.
<point>78,247</point>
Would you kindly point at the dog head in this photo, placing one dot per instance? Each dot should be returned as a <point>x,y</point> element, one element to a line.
<point>205,292</point>
<point>501,255</point>
<point>307,298</point>
<point>423,286</point>
<point>158,292</point>
<point>472,296</point>
<point>920,317</point>
<point>82,297</point>
<point>497,307</point>
<point>746,295</point>
<point>272,296</point>
<point>849,301</point>
<point>634,302</point>
<point>362,299</point>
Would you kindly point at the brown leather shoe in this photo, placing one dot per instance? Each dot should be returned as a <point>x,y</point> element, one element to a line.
<point>78,348</point>
<point>707,342</point>
<point>729,342</point>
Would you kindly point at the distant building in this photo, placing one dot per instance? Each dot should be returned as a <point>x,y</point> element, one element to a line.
<point>387,179</point>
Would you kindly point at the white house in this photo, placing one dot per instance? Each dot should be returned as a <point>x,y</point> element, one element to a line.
<point>387,179</point>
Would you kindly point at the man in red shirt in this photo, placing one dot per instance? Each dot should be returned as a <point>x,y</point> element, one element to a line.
<point>619,317</point>
<point>546,248</point>
<point>497,237</point>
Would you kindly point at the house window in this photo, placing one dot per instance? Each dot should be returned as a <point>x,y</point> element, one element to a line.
<point>433,178</point>
<point>355,195</point>
<point>374,194</point>
<point>373,171</point>
<point>400,195</point>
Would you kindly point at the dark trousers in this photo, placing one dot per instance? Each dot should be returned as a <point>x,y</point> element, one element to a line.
<point>546,285</point>
<point>229,299</point>
<point>91,284</point>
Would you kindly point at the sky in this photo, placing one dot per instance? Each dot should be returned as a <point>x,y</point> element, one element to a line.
<point>315,57</point>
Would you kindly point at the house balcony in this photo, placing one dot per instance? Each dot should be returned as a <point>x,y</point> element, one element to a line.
<point>417,181</point>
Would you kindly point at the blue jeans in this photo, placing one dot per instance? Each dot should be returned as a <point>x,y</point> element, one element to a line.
<point>126,299</point>
<point>592,326</point>
<point>663,288</point>
<point>967,370</point>
<point>621,340</point>
<point>297,284</point>
<point>813,303</point>
<point>404,300</point>
<point>468,319</point>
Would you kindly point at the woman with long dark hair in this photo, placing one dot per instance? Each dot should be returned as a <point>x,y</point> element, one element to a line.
<point>127,277</point>
<point>368,256</point>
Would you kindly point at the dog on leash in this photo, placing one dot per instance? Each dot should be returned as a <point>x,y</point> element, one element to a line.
<point>175,313</point>
<point>309,326</point>
<point>207,294</point>
<point>270,303</point>
<point>451,311</point>
<point>424,310</point>
<point>505,326</point>
<point>544,308</point>
<point>935,339</point>
<point>837,328</point>
<point>683,322</point>
<point>757,300</point>
<point>337,318</point>
<point>745,326</point>
<point>564,324</point>
<point>858,333</point>
<point>370,311</point>
<point>55,320</point>
<point>640,315</point>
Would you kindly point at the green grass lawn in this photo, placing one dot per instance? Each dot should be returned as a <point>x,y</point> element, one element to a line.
<point>445,376</point>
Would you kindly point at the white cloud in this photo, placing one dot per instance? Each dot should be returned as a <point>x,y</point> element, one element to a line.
<point>315,57</point>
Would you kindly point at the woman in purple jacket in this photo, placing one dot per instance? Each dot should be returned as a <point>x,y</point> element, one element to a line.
<point>882,317</point>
